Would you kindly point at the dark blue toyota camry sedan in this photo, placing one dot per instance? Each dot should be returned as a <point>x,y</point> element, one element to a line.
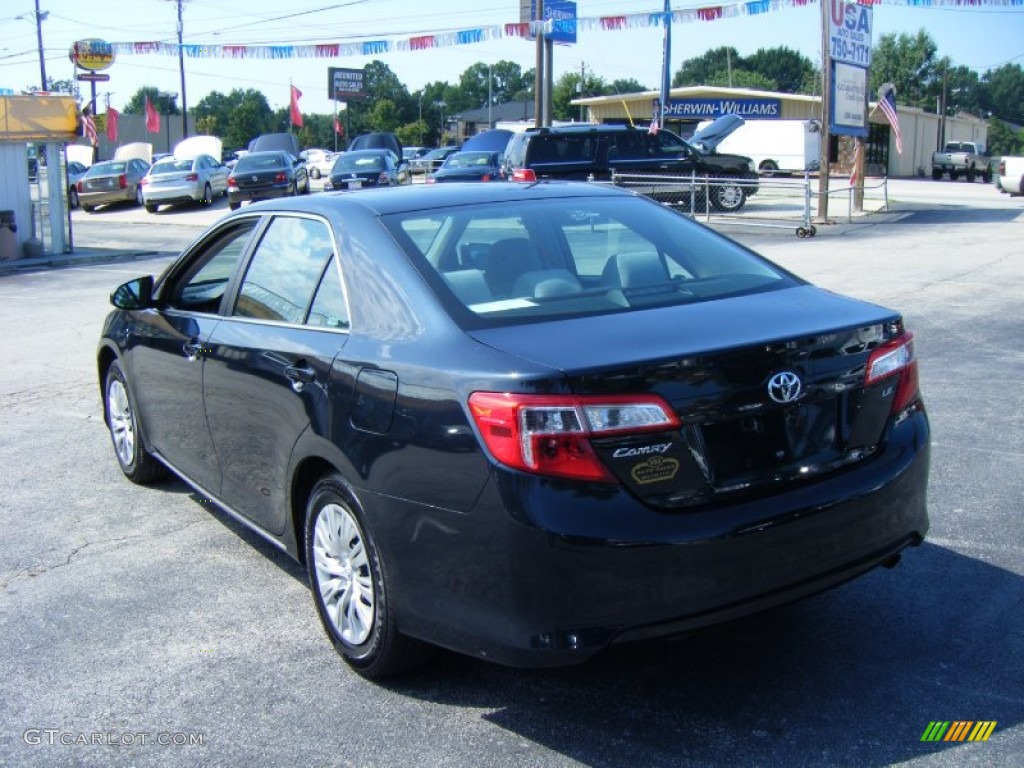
<point>520,421</point>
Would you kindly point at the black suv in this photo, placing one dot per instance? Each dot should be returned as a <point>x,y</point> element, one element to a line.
<point>597,152</point>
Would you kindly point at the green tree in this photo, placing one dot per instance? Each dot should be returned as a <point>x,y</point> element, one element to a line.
<point>568,87</point>
<point>236,117</point>
<point>742,78</point>
<point>164,103</point>
<point>383,116</point>
<point>1003,92</point>
<point>789,70</point>
<point>413,134</point>
<point>700,70</point>
<point>1004,140</point>
<point>910,64</point>
<point>624,86</point>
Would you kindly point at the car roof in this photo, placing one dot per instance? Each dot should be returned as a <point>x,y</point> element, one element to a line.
<point>390,200</point>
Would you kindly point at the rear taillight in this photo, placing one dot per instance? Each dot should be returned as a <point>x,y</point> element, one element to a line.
<point>232,182</point>
<point>485,177</point>
<point>1002,167</point>
<point>144,181</point>
<point>524,174</point>
<point>550,434</point>
<point>430,180</point>
<point>192,177</point>
<point>122,181</point>
<point>896,359</point>
<point>280,178</point>
<point>78,186</point>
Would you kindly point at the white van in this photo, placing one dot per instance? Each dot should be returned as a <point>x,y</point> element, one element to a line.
<point>775,146</point>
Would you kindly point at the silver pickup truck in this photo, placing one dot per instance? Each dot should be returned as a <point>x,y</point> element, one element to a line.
<point>962,158</point>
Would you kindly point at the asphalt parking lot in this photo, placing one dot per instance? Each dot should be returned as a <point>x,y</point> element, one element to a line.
<point>144,627</point>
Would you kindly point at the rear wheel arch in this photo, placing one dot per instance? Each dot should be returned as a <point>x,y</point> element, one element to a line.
<point>307,474</point>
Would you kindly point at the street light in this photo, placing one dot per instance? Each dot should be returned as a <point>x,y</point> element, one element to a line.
<point>441,105</point>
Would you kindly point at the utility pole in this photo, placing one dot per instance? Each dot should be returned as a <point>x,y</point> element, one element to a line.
<point>538,75</point>
<point>42,55</point>
<point>181,67</point>
<point>583,93</point>
<point>826,109</point>
<point>666,66</point>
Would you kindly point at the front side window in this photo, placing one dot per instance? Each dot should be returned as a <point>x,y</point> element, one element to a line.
<point>285,270</point>
<point>201,285</point>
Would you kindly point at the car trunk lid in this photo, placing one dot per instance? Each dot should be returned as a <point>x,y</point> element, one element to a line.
<point>778,401</point>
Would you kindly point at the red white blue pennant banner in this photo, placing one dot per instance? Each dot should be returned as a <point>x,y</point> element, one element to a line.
<point>342,50</point>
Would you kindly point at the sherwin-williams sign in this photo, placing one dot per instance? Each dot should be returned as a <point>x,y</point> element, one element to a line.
<point>708,109</point>
<point>92,54</point>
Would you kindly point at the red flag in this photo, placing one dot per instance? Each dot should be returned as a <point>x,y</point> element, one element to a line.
<point>152,117</point>
<point>337,127</point>
<point>295,114</point>
<point>112,117</point>
<point>89,128</point>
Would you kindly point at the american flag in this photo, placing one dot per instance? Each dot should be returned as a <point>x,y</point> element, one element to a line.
<point>89,128</point>
<point>887,103</point>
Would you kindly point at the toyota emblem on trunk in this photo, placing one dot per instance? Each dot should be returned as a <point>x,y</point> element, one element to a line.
<point>784,387</point>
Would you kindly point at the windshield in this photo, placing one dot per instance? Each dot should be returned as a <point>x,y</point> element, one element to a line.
<point>537,259</point>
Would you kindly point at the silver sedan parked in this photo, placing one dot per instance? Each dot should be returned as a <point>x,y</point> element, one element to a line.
<point>114,181</point>
<point>184,180</point>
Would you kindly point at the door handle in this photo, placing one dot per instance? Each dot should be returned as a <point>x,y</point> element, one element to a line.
<point>192,349</point>
<point>300,376</point>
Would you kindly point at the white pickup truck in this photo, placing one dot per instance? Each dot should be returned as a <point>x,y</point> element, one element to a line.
<point>962,158</point>
<point>1011,175</point>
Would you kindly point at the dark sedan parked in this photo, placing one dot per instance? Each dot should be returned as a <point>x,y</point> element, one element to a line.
<point>360,168</point>
<point>470,166</point>
<point>266,175</point>
<point>520,421</point>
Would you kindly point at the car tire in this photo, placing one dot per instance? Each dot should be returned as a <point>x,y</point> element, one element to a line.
<point>207,200</point>
<point>150,208</point>
<point>728,198</point>
<point>234,206</point>
<point>936,175</point>
<point>88,208</point>
<point>137,464</point>
<point>986,176</point>
<point>768,168</point>
<point>305,187</point>
<point>350,588</point>
<point>970,175</point>
<point>138,196</point>
<point>72,198</point>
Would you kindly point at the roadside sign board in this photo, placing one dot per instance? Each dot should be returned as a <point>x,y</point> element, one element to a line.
<point>849,32</point>
<point>91,54</point>
<point>346,84</point>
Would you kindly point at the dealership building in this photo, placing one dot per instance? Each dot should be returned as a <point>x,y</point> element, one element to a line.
<point>922,132</point>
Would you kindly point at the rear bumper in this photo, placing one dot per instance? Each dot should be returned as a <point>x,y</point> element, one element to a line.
<point>267,193</point>
<point>541,575</point>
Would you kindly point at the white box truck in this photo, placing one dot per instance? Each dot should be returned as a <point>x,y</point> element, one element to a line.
<point>775,146</point>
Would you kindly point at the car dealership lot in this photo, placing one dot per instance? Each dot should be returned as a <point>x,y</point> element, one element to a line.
<point>134,617</point>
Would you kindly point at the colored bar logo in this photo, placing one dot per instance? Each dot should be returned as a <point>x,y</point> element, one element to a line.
<point>958,730</point>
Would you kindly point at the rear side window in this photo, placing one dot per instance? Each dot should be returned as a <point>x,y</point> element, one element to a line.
<point>285,270</point>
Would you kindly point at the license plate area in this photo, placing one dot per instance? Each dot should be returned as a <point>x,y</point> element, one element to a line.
<point>759,445</point>
<point>354,184</point>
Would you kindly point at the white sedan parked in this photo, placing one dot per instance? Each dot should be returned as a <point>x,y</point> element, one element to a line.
<point>184,180</point>
<point>1011,175</point>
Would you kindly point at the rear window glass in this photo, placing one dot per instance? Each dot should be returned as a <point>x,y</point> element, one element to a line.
<point>538,259</point>
<point>260,162</point>
<point>171,166</point>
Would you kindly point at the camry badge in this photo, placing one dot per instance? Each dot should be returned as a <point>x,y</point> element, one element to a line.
<point>784,387</point>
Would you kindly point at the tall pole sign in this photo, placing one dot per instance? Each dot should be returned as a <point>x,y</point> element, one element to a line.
<point>846,36</point>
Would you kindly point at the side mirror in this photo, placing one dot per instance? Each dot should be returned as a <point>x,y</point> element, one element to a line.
<point>135,294</point>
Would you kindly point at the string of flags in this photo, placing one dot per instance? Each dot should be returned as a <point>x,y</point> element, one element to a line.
<point>336,50</point>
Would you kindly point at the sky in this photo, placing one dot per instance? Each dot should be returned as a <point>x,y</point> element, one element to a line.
<point>980,38</point>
